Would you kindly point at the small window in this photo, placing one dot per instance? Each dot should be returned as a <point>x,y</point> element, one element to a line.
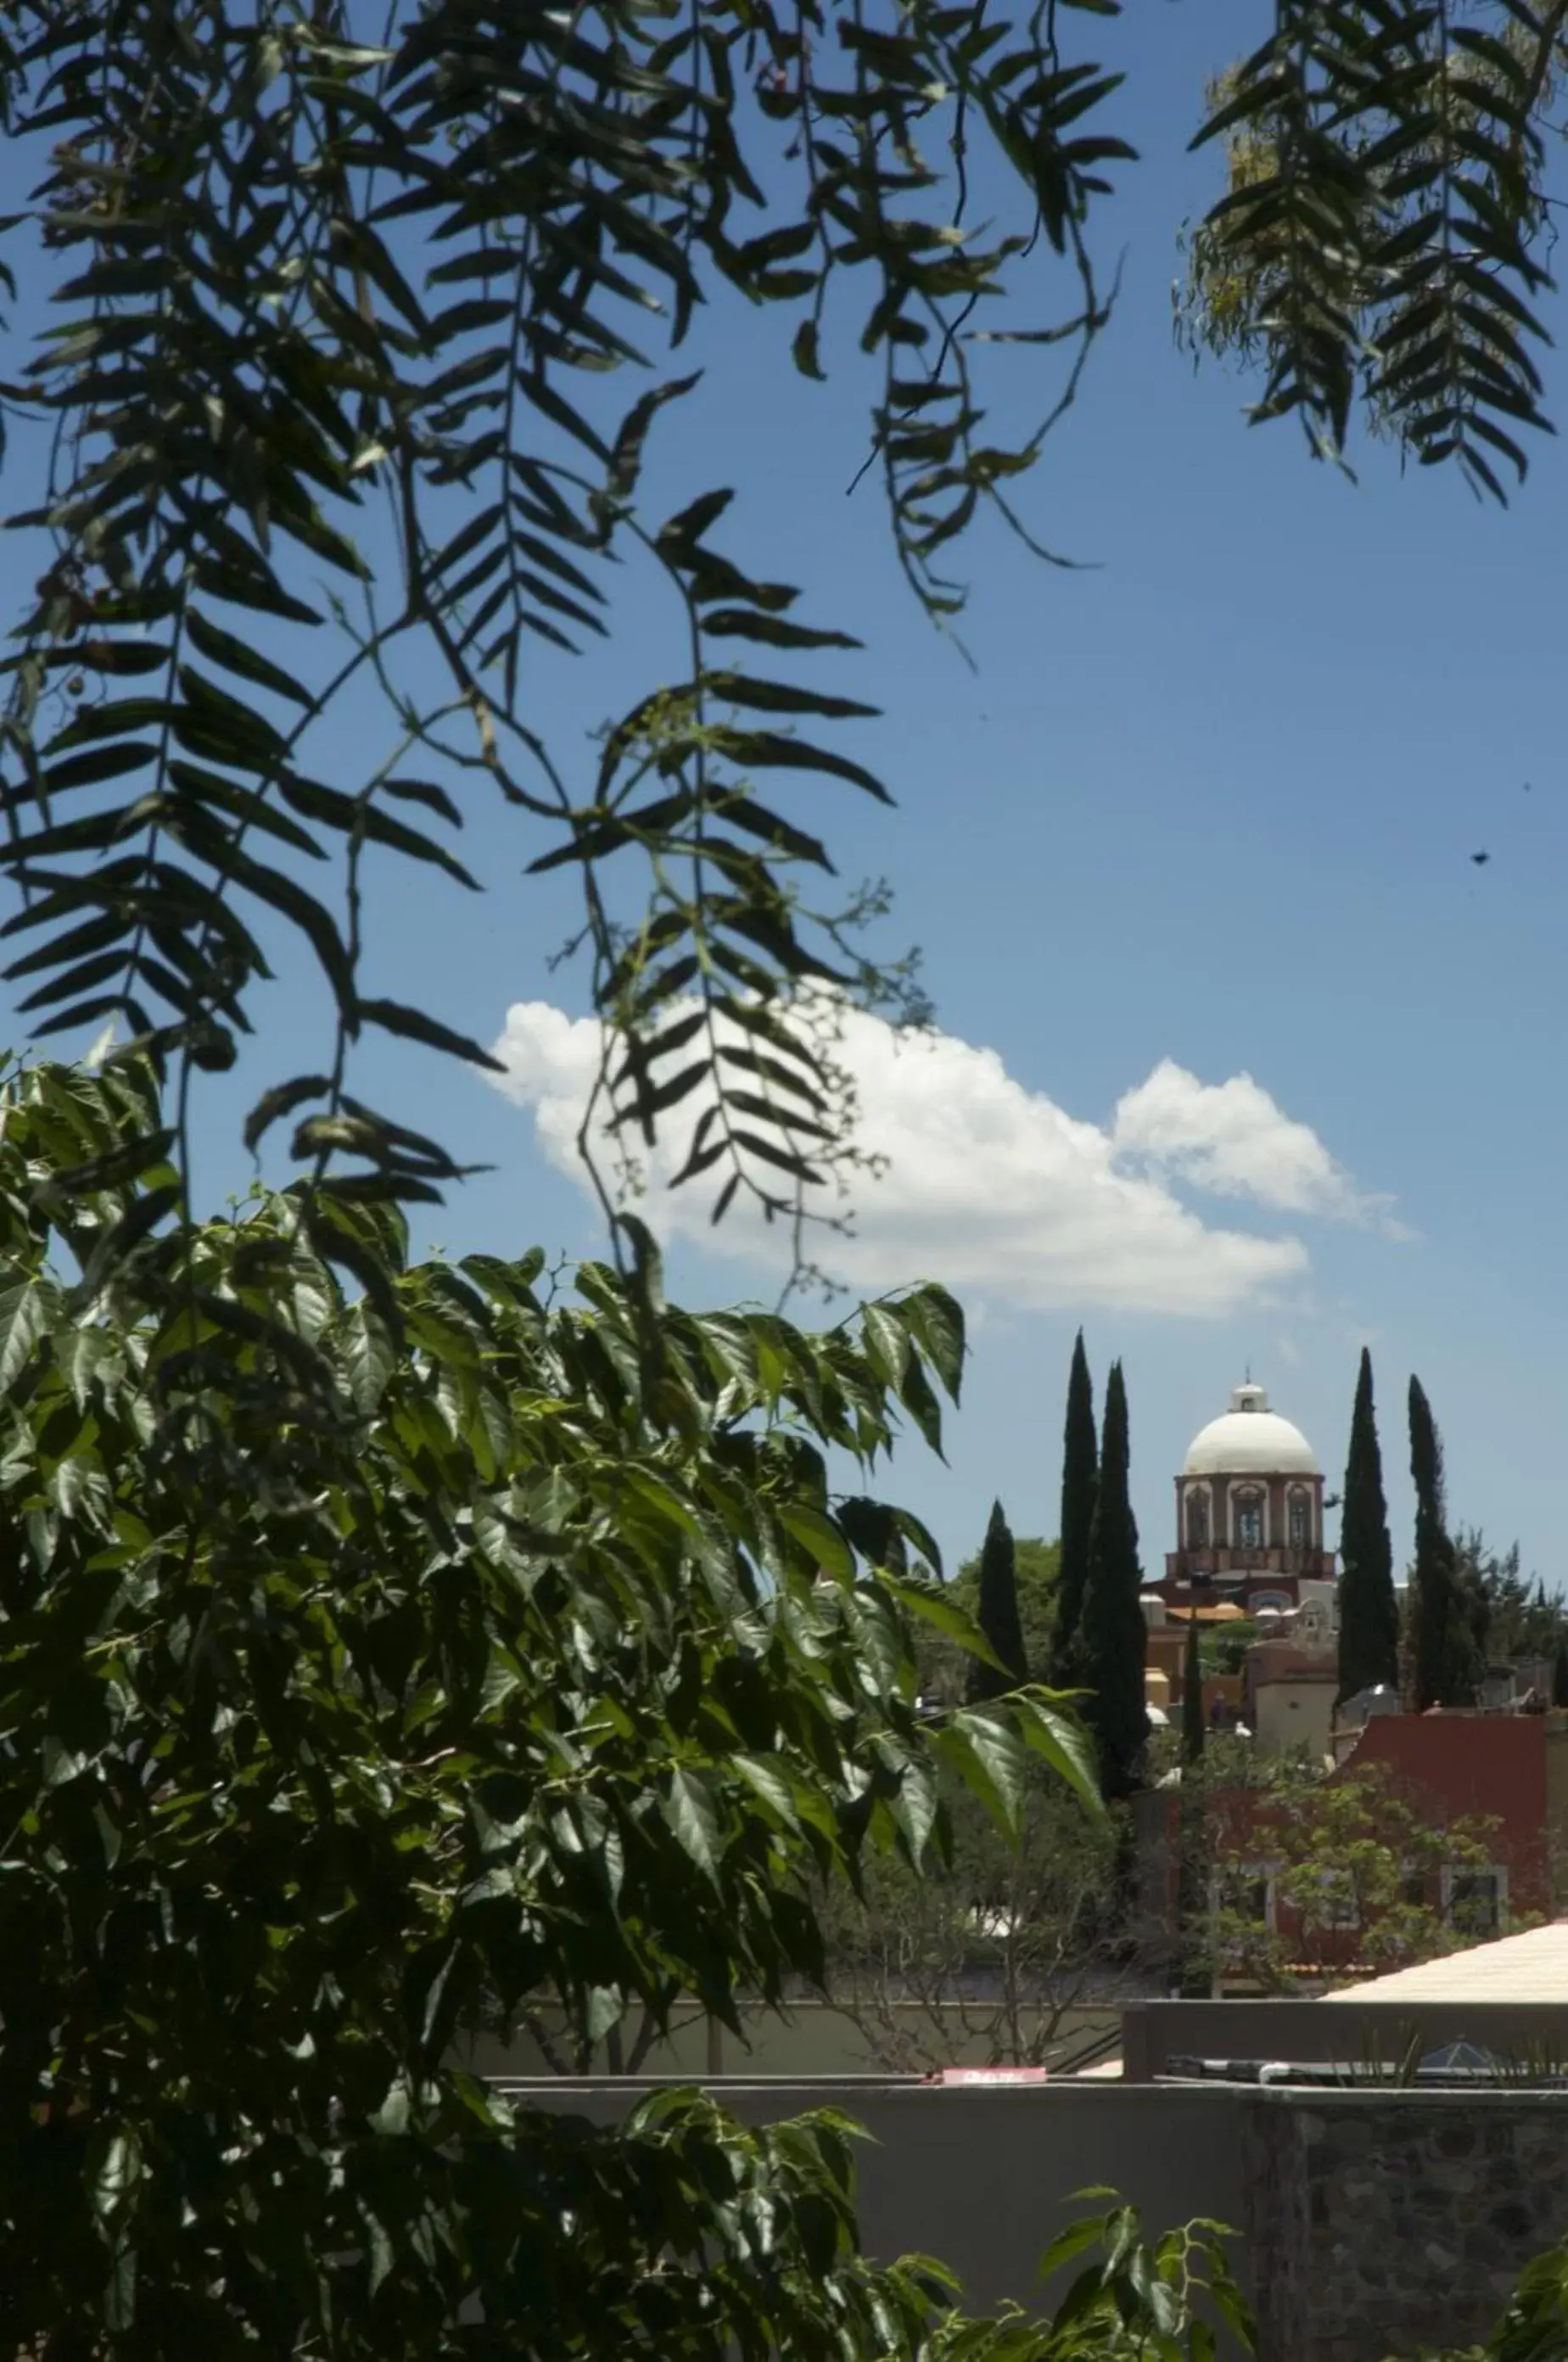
<point>1339,1907</point>
<point>1249,1522</point>
<point>1300,1521</point>
<point>1245,1890</point>
<point>1197,1521</point>
<point>1477,1902</point>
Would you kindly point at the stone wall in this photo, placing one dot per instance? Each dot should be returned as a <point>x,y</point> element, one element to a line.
<point>1392,2222</point>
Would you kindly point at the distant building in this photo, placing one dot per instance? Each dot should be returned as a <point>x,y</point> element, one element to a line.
<point>1249,1512</point>
<point>1291,1695</point>
<point>1164,1676</point>
<point>1249,1551</point>
<point>1509,1769</point>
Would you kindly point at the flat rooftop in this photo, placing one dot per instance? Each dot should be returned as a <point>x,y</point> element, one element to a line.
<point>1529,1968</point>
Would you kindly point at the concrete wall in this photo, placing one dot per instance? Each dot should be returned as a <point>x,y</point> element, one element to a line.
<point>1288,1714</point>
<point>982,2177</point>
<point>811,2040</point>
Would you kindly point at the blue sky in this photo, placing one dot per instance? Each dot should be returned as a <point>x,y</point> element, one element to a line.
<point>1211,802</point>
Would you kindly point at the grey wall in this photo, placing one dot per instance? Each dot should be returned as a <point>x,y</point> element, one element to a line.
<point>980,2177</point>
<point>810,2040</point>
<point>1342,2032</point>
<point>1371,2224</point>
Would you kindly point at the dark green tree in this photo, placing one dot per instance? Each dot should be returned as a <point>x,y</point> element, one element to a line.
<point>1445,1662</point>
<point>1368,1610</point>
<point>1560,1675</point>
<point>1113,1633</point>
<point>945,1667</point>
<point>997,1615</point>
<point>1080,1484</point>
<point>1510,1614</point>
<point>502,1681</point>
<point>1192,1726</point>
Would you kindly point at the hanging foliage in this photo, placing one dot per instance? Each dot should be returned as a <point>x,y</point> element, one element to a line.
<point>1385,234</point>
<point>334,337</point>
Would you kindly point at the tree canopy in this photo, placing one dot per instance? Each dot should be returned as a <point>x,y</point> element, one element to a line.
<point>526,1658</point>
<point>1000,1956</point>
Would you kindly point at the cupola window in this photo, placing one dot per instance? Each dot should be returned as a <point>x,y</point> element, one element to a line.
<point>1198,1521</point>
<point>1300,1521</point>
<point>1249,1520</point>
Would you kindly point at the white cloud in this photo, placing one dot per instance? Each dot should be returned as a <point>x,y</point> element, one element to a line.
<point>991,1187</point>
<point>1235,1141</point>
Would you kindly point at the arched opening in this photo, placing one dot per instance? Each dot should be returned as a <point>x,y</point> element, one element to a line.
<point>1249,1520</point>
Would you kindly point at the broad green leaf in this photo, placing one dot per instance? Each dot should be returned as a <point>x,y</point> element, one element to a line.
<point>938,1321</point>
<point>369,1357</point>
<point>934,1607</point>
<point>26,1311</point>
<point>392,2115</point>
<point>688,1805</point>
<point>1053,1732</point>
<point>996,1749</point>
<point>819,1536</point>
<point>887,1343</point>
<point>771,1783</point>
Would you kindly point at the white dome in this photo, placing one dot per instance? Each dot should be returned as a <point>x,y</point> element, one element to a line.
<point>1250,1440</point>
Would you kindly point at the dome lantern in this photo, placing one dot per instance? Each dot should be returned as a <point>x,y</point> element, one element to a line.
<point>1250,1440</point>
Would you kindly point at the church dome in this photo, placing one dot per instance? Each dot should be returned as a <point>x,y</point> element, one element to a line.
<point>1250,1440</point>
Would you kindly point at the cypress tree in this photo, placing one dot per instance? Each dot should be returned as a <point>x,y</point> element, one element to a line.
<point>1079,1483</point>
<point>1190,1963</point>
<point>1368,1611</point>
<point>1445,1665</point>
<point>1193,1730</point>
<point>996,1613</point>
<point>1112,1634</point>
